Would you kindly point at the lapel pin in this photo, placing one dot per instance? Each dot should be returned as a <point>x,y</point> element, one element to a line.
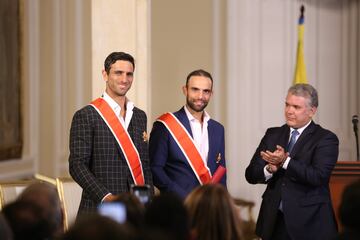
<point>145,136</point>
<point>218,159</point>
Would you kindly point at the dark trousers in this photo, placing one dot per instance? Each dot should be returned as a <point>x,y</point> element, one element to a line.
<point>280,232</point>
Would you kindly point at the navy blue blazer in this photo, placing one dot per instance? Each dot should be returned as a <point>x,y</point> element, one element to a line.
<point>303,187</point>
<point>170,169</point>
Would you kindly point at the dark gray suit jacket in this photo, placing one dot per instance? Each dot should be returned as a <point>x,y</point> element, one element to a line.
<point>96,161</point>
<point>303,187</point>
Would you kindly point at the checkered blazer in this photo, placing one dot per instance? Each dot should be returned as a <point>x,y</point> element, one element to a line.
<point>96,161</point>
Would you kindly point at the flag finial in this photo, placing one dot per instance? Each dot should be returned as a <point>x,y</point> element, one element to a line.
<point>300,69</point>
<point>302,10</point>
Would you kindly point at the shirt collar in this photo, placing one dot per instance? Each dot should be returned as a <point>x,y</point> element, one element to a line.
<point>300,130</point>
<point>115,106</point>
<point>192,118</point>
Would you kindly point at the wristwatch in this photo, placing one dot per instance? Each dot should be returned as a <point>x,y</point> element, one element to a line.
<point>268,168</point>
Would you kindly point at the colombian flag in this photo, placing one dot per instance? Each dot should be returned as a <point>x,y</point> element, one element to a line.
<point>300,69</point>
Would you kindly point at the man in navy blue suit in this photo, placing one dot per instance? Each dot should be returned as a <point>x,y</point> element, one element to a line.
<point>186,157</point>
<point>295,161</point>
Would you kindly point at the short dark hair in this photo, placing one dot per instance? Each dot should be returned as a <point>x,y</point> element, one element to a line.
<point>349,208</point>
<point>116,56</point>
<point>199,72</point>
<point>307,91</point>
<point>27,221</point>
<point>5,230</point>
<point>210,206</point>
<point>168,214</point>
<point>45,196</point>
<point>135,211</point>
<point>93,226</point>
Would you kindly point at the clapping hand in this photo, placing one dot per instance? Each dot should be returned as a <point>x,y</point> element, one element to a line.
<point>276,158</point>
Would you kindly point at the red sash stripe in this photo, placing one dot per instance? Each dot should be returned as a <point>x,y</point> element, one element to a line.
<point>187,146</point>
<point>123,139</point>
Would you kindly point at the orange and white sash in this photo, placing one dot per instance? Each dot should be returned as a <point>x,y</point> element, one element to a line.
<point>123,139</point>
<point>187,146</point>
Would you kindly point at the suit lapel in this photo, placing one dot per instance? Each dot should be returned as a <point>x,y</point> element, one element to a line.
<point>212,143</point>
<point>284,138</point>
<point>181,115</point>
<point>304,137</point>
<point>131,129</point>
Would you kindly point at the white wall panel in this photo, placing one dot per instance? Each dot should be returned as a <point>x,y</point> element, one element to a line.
<point>30,68</point>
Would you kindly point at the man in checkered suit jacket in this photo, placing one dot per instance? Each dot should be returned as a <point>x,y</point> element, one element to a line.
<point>96,161</point>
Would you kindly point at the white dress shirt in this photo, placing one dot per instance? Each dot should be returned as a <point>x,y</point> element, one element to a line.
<point>200,134</point>
<point>117,109</point>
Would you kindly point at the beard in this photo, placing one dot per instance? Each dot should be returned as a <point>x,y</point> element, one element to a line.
<point>195,107</point>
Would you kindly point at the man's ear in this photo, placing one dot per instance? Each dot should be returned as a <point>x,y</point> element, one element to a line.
<point>105,75</point>
<point>312,111</point>
<point>184,88</point>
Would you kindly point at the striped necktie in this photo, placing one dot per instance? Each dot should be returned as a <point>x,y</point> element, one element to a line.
<point>292,141</point>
